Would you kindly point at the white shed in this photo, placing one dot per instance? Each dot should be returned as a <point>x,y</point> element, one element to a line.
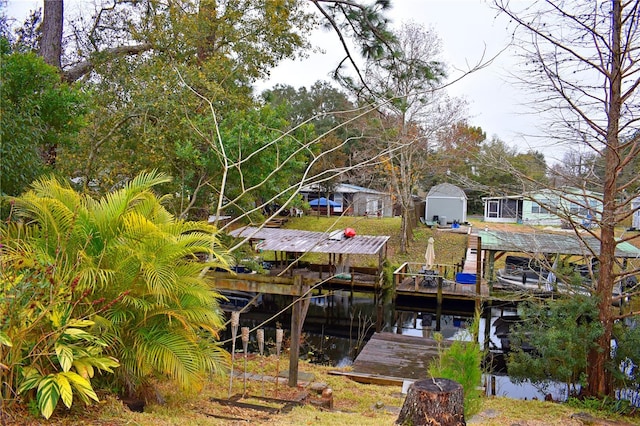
<point>446,203</point>
<point>635,221</point>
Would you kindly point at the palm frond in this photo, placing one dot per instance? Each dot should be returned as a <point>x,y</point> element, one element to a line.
<point>136,267</point>
<point>174,355</point>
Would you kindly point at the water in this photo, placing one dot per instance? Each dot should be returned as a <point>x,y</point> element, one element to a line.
<point>338,325</point>
<point>456,327</point>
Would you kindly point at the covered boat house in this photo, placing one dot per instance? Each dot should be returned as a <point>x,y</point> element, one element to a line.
<point>286,251</point>
<point>290,274</point>
<point>541,245</point>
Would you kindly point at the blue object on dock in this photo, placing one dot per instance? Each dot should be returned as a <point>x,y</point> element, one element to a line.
<point>465,278</point>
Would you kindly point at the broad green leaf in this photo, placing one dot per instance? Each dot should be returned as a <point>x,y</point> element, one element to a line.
<point>78,334</point>
<point>105,363</point>
<point>83,368</point>
<point>31,379</point>
<point>66,394</point>
<point>65,356</point>
<point>48,395</point>
<point>82,386</point>
<point>80,323</point>
<point>5,340</point>
<point>56,318</point>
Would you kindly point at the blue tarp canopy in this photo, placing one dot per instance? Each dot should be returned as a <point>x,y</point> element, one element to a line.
<point>322,202</point>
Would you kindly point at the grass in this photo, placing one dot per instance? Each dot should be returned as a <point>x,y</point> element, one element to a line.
<point>354,403</point>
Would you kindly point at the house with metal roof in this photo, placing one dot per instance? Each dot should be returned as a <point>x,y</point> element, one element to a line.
<point>352,200</point>
<point>545,207</point>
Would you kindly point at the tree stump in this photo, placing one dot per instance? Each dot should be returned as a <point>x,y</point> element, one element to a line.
<point>433,402</point>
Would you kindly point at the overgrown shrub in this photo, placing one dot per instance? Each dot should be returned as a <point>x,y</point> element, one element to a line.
<point>49,349</point>
<point>461,362</point>
<point>604,405</point>
<point>119,276</point>
<point>561,333</point>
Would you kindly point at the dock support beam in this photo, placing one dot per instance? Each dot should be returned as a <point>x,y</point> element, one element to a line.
<point>491,277</point>
<point>298,314</point>
<point>480,259</point>
<point>439,303</point>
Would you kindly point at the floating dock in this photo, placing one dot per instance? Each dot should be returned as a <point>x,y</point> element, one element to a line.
<point>392,359</point>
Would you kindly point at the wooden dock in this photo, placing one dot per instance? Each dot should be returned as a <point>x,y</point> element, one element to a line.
<point>471,258</point>
<point>413,287</point>
<point>391,359</point>
<point>410,281</point>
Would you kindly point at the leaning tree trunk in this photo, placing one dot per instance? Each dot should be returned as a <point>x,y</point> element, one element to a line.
<point>433,402</point>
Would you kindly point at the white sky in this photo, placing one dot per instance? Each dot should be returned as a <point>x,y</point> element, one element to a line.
<point>468,29</point>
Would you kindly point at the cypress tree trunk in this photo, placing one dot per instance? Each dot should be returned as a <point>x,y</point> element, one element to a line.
<point>600,379</point>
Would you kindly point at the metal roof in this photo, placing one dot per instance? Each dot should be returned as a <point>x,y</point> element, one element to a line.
<point>447,190</point>
<point>297,241</point>
<point>550,243</point>
<point>342,188</point>
<point>561,192</point>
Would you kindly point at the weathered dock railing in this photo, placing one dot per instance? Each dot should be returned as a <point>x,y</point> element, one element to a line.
<point>417,271</point>
<point>413,282</point>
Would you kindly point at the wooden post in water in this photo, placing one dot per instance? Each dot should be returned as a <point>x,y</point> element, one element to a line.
<point>478,273</point>
<point>439,303</point>
<point>298,313</point>
<point>379,317</point>
<point>492,261</point>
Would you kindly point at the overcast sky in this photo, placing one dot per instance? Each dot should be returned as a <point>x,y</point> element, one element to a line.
<point>468,29</point>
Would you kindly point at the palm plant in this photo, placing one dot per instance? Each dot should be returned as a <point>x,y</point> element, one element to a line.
<point>136,270</point>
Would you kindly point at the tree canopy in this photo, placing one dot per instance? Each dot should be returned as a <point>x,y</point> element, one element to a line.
<point>37,110</point>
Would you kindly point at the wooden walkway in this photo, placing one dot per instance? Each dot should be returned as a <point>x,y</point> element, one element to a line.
<point>390,359</point>
<point>471,259</point>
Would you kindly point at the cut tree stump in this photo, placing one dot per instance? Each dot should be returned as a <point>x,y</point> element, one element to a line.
<point>433,402</point>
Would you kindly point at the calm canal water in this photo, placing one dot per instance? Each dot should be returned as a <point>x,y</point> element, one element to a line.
<point>338,325</point>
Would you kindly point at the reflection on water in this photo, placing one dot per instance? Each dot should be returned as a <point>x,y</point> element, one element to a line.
<point>339,323</point>
<point>457,327</point>
<point>500,385</point>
